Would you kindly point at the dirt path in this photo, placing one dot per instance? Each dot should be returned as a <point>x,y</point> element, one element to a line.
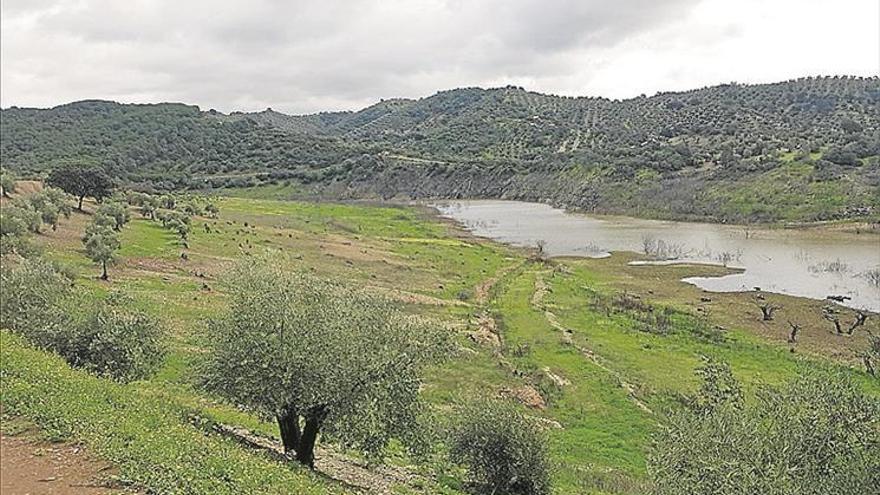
<point>537,302</point>
<point>380,479</point>
<point>31,466</point>
<point>483,290</point>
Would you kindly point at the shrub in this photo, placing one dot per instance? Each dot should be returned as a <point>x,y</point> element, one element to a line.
<point>110,339</point>
<point>815,435</point>
<point>114,341</point>
<point>31,296</point>
<point>504,451</point>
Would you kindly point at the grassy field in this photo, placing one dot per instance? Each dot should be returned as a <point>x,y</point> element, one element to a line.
<point>539,331</point>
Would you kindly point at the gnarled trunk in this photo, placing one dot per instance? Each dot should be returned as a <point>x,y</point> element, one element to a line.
<point>306,452</point>
<point>288,423</point>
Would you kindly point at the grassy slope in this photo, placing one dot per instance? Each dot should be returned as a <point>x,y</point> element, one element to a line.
<point>604,434</point>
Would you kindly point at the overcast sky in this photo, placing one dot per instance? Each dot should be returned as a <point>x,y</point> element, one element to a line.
<point>311,55</point>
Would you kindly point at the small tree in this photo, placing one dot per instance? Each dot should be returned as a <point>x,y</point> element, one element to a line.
<point>318,357</point>
<point>101,246</point>
<point>115,210</point>
<point>505,452</point>
<point>7,183</point>
<point>767,308</point>
<point>81,181</point>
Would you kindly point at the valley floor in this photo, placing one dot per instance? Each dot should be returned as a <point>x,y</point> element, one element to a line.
<point>577,341</point>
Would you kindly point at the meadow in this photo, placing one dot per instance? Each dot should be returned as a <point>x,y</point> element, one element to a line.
<point>572,340</point>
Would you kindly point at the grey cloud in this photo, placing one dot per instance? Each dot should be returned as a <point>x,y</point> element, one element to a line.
<point>312,55</point>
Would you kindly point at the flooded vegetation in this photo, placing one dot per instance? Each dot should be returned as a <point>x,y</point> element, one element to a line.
<point>809,263</point>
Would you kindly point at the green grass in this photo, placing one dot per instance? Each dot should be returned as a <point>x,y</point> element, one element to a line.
<point>604,437</point>
<point>602,429</point>
<point>145,434</point>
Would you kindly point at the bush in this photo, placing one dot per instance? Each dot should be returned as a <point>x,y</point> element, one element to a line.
<point>504,451</point>
<point>31,296</point>
<point>115,341</point>
<point>110,340</point>
<point>816,435</point>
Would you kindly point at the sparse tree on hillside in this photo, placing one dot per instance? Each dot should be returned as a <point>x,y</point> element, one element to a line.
<point>115,210</point>
<point>101,246</point>
<point>81,181</point>
<point>319,358</point>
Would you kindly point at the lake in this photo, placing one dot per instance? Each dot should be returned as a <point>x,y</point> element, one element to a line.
<point>809,263</point>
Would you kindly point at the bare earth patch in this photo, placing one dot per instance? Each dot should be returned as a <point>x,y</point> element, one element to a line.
<point>32,466</point>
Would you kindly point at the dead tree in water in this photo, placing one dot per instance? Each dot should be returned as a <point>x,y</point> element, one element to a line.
<point>795,328</point>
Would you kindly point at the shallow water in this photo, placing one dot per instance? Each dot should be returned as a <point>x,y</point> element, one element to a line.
<point>804,263</point>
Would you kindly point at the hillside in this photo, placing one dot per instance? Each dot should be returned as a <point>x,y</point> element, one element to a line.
<point>598,352</point>
<point>802,150</point>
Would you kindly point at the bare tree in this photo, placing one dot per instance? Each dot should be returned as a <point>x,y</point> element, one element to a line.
<point>830,314</point>
<point>795,328</point>
<point>767,308</point>
<point>860,320</point>
<point>872,354</point>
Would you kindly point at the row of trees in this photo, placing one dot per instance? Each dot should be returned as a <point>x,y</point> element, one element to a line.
<point>26,215</point>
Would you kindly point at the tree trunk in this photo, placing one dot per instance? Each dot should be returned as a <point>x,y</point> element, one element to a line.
<point>104,270</point>
<point>288,423</point>
<point>306,452</point>
<point>80,206</point>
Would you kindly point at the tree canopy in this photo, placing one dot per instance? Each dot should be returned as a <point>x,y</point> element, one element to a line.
<point>81,181</point>
<point>319,357</point>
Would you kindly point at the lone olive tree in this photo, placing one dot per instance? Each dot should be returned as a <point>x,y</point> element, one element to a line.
<point>101,245</point>
<point>81,181</point>
<point>320,358</point>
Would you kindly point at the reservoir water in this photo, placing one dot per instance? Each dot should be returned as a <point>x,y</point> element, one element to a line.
<point>810,263</point>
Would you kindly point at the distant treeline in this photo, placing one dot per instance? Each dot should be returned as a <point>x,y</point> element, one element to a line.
<point>706,153</point>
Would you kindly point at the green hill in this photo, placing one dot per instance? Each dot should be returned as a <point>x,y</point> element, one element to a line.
<point>725,153</point>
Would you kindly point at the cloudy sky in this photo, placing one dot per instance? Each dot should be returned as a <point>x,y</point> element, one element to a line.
<point>311,55</point>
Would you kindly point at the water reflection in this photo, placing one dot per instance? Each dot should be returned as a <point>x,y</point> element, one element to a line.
<point>797,262</point>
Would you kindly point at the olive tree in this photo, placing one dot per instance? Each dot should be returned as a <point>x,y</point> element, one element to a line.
<point>101,245</point>
<point>32,295</point>
<point>318,357</point>
<point>7,183</point>
<point>115,210</point>
<point>815,435</point>
<point>505,451</point>
<point>107,338</point>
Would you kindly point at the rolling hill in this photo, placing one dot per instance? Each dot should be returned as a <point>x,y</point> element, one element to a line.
<point>800,150</point>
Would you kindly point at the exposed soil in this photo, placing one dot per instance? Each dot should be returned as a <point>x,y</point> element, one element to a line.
<point>32,466</point>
